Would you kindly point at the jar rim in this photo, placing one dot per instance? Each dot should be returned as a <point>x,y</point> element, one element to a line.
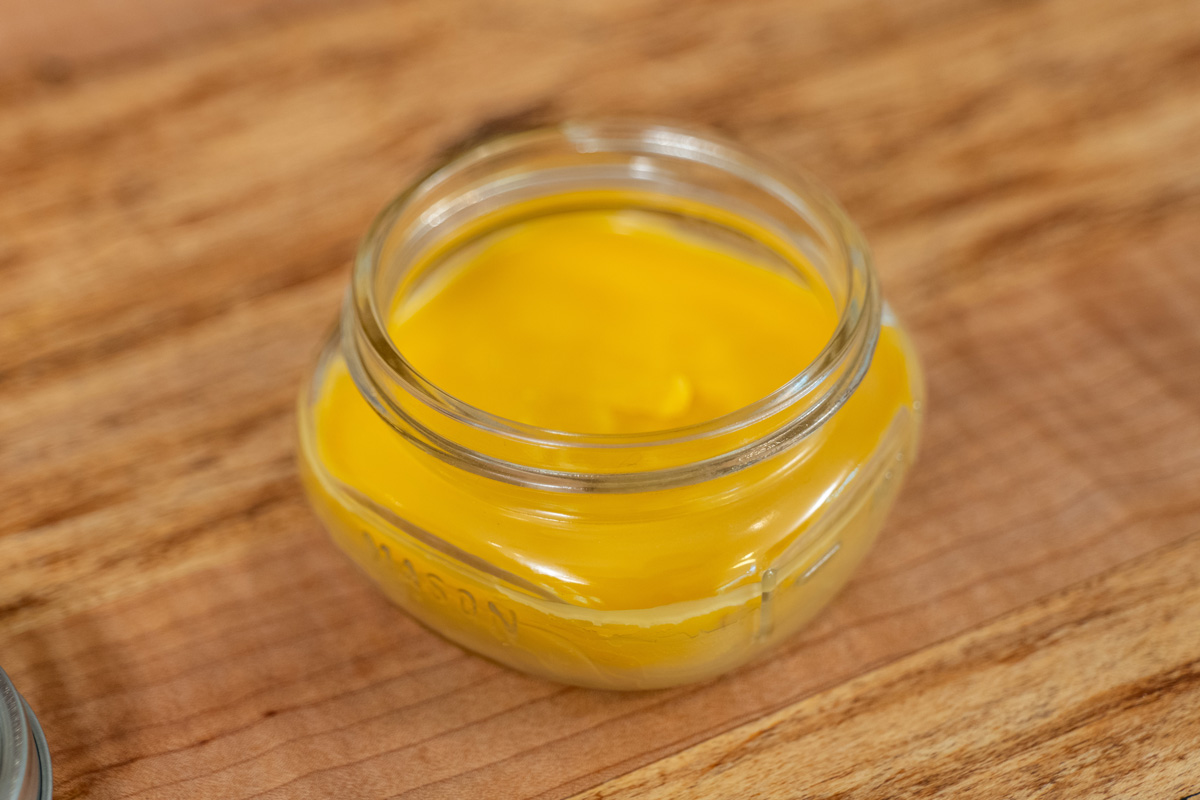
<point>853,337</point>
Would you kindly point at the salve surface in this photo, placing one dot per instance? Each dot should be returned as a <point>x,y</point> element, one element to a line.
<point>610,322</point>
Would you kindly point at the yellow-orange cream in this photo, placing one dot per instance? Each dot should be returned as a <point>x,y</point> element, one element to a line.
<point>612,322</point>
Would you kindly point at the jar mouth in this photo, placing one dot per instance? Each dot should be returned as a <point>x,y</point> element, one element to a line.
<point>802,216</point>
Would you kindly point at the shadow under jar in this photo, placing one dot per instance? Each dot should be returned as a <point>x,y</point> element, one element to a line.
<point>633,559</point>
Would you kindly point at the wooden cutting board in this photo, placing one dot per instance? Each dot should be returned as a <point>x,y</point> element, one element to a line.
<point>181,188</point>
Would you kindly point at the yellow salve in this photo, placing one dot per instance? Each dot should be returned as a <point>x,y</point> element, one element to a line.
<point>606,322</point>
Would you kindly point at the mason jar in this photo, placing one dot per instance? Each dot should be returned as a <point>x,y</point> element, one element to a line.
<point>612,560</point>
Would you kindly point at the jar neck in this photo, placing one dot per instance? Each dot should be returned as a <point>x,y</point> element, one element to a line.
<point>598,165</point>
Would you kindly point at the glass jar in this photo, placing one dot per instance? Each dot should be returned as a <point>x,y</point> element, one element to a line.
<point>24,757</point>
<point>612,560</point>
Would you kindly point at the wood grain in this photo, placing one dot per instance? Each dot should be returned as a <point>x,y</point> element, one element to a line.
<point>1091,693</point>
<point>50,39</point>
<point>175,225</point>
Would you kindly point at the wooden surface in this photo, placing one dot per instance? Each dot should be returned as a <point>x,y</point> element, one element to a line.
<point>1061,699</point>
<point>179,200</point>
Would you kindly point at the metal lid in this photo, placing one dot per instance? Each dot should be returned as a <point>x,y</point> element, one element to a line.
<point>24,757</point>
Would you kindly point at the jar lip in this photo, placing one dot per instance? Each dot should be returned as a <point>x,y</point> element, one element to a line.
<point>798,192</point>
